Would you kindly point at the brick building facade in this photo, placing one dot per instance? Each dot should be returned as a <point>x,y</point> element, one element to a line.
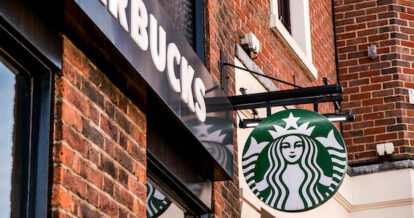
<point>376,90</point>
<point>108,118</point>
<point>99,144</point>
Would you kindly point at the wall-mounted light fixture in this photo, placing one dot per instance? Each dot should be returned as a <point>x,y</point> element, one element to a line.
<point>385,149</point>
<point>249,123</point>
<point>340,117</point>
<point>250,42</point>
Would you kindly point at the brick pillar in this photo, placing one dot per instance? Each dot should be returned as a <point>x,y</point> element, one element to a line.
<point>99,144</point>
<point>376,91</point>
<point>220,36</point>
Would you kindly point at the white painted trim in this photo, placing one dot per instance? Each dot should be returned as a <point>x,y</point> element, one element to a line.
<point>343,202</point>
<point>303,60</point>
<point>300,23</point>
<point>371,206</point>
<point>384,204</point>
<point>249,64</point>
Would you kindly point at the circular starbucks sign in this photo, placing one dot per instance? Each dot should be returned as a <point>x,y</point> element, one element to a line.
<point>294,160</point>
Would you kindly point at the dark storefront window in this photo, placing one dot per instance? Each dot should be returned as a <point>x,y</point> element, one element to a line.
<point>7,90</point>
<point>284,13</point>
<point>25,100</point>
<point>160,206</point>
<point>182,14</point>
<point>187,16</point>
<point>172,167</point>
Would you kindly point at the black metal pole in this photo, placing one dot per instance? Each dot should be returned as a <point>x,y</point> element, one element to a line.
<point>259,74</point>
<point>338,81</point>
<point>284,102</point>
<point>285,94</point>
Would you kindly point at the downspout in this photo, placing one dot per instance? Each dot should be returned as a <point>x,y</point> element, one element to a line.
<point>336,47</point>
<point>336,59</point>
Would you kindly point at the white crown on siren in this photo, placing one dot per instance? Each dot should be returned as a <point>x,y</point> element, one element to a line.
<point>291,128</point>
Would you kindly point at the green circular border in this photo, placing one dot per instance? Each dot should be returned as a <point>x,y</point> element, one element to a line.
<point>316,120</point>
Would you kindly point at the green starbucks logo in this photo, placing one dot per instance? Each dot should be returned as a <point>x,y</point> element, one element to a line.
<point>295,160</point>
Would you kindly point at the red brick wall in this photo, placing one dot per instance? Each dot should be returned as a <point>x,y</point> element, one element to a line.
<point>217,17</point>
<point>323,45</point>
<point>322,38</point>
<point>99,144</point>
<point>226,21</point>
<point>376,90</point>
<point>274,59</point>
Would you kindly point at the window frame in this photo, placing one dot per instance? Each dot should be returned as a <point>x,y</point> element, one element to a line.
<point>160,177</point>
<point>32,131</point>
<point>199,29</point>
<point>300,26</point>
<point>159,173</point>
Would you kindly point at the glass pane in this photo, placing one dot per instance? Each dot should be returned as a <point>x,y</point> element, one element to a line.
<point>7,93</point>
<point>158,205</point>
<point>181,13</point>
<point>284,14</point>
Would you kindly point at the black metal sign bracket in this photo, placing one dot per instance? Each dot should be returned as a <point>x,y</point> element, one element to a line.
<point>299,95</point>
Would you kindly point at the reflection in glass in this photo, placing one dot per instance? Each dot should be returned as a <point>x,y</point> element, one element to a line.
<point>156,202</point>
<point>172,211</point>
<point>216,135</point>
<point>181,13</point>
<point>158,205</point>
<point>7,92</point>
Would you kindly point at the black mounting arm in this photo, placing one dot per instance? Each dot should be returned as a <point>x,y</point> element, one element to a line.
<point>262,75</point>
<point>298,95</point>
<point>311,95</point>
<point>285,94</point>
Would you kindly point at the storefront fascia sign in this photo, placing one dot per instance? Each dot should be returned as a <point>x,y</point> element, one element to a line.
<point>294,160</point>
<point>144,34</point>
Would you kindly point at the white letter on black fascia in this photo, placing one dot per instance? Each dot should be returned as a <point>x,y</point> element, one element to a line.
<point>200,105</point>
<point>118,7</point>
<point>187,74</point>
<point>173,54</point>
<point>139,23</point>
<point>158,57</point>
